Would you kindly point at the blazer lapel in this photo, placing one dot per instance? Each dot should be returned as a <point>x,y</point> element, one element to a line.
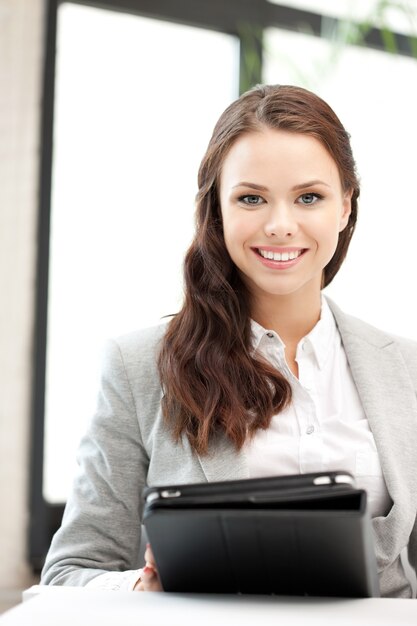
<point>224,462</point>
<point>388,398</point>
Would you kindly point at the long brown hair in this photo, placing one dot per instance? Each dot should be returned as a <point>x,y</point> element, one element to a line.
<point>212,380</point>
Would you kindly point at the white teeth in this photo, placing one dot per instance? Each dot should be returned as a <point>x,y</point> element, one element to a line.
<point>279,256</point>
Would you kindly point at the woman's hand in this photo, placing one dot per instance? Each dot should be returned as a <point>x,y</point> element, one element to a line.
<point>149,580</point>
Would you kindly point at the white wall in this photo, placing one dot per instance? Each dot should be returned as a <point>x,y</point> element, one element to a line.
<point>21,43</point>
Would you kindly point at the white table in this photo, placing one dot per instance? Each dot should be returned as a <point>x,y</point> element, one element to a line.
<point>66,606</point>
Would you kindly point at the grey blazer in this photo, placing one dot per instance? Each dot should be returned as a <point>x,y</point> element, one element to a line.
<point>127,446</point>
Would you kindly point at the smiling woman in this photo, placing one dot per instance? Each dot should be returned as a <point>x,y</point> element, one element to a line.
<point>258,374</point>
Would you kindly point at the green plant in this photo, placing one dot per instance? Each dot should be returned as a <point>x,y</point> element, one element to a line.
<point>341,33</point>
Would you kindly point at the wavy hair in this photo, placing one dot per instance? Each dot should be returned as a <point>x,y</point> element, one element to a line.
<point>213,382</point>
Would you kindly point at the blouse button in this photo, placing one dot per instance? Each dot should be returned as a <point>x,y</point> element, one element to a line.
<point>270,335</point>
<point>310,429</point>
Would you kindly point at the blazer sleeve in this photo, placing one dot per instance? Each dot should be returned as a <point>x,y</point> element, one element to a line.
<point>101,526</point>
<point>412,547</point>
<point>409,351</point>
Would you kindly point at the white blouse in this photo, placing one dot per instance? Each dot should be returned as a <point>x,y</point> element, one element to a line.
<point>325,427</point>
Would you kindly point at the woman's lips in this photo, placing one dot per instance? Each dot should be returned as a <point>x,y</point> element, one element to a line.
<point>279,258</point>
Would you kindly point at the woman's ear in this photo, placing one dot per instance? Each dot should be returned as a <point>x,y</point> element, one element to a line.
<point>346,209</point>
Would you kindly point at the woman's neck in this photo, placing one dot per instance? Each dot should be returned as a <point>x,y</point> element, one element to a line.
<point>290,316</point>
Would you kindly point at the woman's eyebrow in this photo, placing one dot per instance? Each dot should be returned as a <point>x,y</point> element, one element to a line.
<point>251,185</point>
<point>309,183</point>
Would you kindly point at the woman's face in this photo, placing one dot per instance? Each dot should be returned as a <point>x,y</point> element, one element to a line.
<point>283,208</point>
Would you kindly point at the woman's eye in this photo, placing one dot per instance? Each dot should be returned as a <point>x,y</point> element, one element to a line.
<point>309,198</point>
<point>251,200</point>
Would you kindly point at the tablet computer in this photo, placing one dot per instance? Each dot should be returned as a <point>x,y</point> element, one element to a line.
<point>307,534</point>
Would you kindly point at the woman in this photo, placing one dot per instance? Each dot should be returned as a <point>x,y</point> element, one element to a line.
<point>261,375</point>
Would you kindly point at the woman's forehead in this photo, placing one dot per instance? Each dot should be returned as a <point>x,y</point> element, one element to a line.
<point>277,153</point>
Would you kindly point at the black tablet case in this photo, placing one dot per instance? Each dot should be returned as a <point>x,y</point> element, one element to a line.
<point>307,534</point>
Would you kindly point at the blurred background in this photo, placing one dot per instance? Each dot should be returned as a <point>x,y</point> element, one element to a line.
<point>106,108</point>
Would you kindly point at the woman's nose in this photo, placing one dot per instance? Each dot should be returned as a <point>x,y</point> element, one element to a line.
<point>280,222</point>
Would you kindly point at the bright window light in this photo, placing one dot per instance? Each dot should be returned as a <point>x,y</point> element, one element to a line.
<point>398,15</point>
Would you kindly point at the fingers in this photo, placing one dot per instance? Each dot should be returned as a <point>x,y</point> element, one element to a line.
<point>149,557</point>
<point>149,580</point>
